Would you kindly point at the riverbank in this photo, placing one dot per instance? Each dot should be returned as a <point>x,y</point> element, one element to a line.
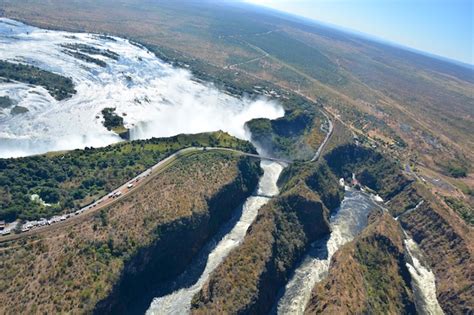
<point>346,223</point>
<point>249,278</point>
<point>88,261</point>
<point>178,301</point>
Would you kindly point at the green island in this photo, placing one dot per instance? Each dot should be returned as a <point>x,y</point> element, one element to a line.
<point>5,102</point>
<point>84,57</point>
<point>69,180</point>
<point>58,86</point>
<point>114,122</point>
<point>87,49</point>
<point>18,110</point>
<point>83,52</point>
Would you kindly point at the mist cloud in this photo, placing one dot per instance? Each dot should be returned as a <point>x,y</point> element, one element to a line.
<point>155,99</point>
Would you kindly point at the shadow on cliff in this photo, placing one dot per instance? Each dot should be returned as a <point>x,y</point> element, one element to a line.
<point>194,269</point>
<point>318,250</point>
<point>155,270</point>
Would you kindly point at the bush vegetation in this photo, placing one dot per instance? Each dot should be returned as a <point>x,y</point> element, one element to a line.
<point>81,56</point>
<point>111,119</point>
<point>69,180</point>
<point>462,208</point>
<point>306,59</point>
<point>456,170</point>
<point>294,136</point>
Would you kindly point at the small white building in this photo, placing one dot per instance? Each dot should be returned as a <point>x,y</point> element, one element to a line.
<point>342,182</point>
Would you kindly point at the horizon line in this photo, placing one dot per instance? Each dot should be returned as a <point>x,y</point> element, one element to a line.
<point>364,35</point>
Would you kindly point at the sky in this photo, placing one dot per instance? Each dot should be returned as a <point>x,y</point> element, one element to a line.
<point>440,27</point>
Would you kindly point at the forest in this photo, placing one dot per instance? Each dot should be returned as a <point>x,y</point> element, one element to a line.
<point>69,180</point>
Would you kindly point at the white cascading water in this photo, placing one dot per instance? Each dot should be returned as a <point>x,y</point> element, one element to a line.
<point>179,301</point>
<point>349,220</point>
<point>347,223</point>
<point>154,98</point>
<point>423,281</point>
<point>160,101</point>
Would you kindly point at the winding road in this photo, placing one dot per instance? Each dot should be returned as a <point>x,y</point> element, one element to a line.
<point>132,185</point>
<point>128,188</point>
<point>326,139</point>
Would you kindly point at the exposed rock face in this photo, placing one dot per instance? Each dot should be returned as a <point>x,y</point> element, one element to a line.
<point>118,254</point>
<point>125,134</point>
<point>367,275</point>
<point>443,237</point>
<point>249,279</point>
<point>448,248</point>
<point>19,110</point>
<point>177,242</point>
<point>294,136</point>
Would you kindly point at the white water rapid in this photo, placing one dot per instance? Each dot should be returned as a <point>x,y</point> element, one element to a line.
<point>179,300</point>
<point>423,281</point>
<point>349,220</point>
<point>154,98</point>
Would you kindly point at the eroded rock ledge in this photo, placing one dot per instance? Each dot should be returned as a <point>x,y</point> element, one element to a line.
<point>367,275</point>
<point>176,243</point>
<point>249,279</point>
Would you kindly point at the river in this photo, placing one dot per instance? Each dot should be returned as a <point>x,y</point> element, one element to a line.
<point>423,281</point>
<point>153,98</point>
<point>346,223</point>
<point>229,237</point>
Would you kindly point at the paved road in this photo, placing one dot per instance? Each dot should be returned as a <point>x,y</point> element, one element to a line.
<point>323,144</point>
<point>129,187</point>
<point>132,185</point>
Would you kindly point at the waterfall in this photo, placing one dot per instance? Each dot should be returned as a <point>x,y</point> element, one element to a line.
<point>423,281</point>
